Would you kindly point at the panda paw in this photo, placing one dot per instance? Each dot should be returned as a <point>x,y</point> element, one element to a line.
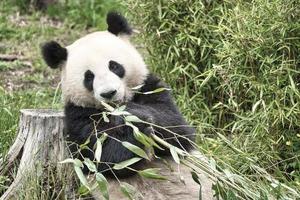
<point>116,120</point>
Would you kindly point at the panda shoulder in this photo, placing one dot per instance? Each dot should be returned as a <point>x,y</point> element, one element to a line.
<point>153,82</point>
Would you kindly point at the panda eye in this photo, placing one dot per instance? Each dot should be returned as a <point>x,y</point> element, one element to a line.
<point>113,66</point>
<point>116,68</point>
<point>89,75</point>
<point>88,80</point>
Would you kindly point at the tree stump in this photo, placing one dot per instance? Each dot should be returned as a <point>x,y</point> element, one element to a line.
<point>40,143</point>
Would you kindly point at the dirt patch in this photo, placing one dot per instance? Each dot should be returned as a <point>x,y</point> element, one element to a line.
<point>23,21</point>
<point>26,77</point>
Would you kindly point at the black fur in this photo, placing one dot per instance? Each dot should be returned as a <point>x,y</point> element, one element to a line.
<point>109,94</point>
<point>88,80</point>
<point>54,54</point>
<point>116,68</point>
<point>158,108</point>
<point>117,24</point>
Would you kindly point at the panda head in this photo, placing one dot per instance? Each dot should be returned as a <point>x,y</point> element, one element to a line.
<point>101,66</point>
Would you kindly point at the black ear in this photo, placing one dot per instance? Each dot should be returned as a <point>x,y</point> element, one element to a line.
<point>54,54</point>
<point>117,24</point>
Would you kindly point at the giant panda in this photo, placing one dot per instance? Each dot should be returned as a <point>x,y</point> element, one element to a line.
<point>104,67</point>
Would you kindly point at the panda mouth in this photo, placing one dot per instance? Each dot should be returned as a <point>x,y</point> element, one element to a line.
<point>116,99</point>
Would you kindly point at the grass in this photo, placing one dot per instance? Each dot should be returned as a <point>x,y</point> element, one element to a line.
<point>28,82</point>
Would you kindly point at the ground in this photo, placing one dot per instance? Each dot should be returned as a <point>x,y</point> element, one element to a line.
<point>25,80</point>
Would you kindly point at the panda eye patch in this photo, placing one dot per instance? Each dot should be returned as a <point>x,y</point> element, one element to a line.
<point>116,68</point>
<point>88,80</point>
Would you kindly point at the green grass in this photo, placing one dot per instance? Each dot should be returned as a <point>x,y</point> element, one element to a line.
<point>28,82</point>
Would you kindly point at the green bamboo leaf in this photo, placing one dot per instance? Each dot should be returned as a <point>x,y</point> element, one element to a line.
<point>137,87</point>
<point>156,91</point>
<point>68,160</point>
<point>108,107</point>
<point>121,108</point>
<point>153,143</point>
<point>85,144</point>
<point>174,154</point>
<point>142,138</point>
<point>195,177</point>
<point>103,137</point>
<point>105,118</point>
<point>166,144</point>
<point>135,129</point>
<point>90,165</point>
<point>126,163</point>
<point>119,112</point>
<point>81,176</point>
<point>75,161</point>
<point>135,149</point>
<point>103,185</point>
<point>129,191</point>
<point>83,190</point>
<point>151,173</point>
<point>132,118</point>
<point>98,151</point>
<point>208,77</point>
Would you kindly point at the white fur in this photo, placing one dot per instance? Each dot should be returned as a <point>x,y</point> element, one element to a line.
<point>93,52</point>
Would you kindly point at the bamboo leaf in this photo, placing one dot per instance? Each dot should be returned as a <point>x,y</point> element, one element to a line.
<point>68,160</point>
<point>195,177</point>
<point>81,176</point>
<point>129,191</point>
<point>108,107</point>
<point>98,151</point>
<point>105,118</point>
<point>151,173</point>
<point>119,112</point>
<point>135,149</point>
<point>156,91</point>
<point>132,118</point>
<point>75,161</point>
<point>137,87</point>
<point>174,154</point>
<point>90,165</point>
<point>126,163</point>
<point>103,185</point>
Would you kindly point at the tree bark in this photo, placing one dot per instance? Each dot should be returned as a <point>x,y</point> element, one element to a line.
<point>39,144</point>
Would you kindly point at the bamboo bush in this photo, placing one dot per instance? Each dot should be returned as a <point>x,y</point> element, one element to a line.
<point>234,68</point>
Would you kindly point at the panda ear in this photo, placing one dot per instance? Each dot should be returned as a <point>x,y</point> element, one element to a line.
<point>54,54</point>
<point>117,24</point>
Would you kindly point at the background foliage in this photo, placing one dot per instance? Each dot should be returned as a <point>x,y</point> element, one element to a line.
<point>234,68</point>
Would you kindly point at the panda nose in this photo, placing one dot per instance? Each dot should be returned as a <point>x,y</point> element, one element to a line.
<point>109,94</point>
